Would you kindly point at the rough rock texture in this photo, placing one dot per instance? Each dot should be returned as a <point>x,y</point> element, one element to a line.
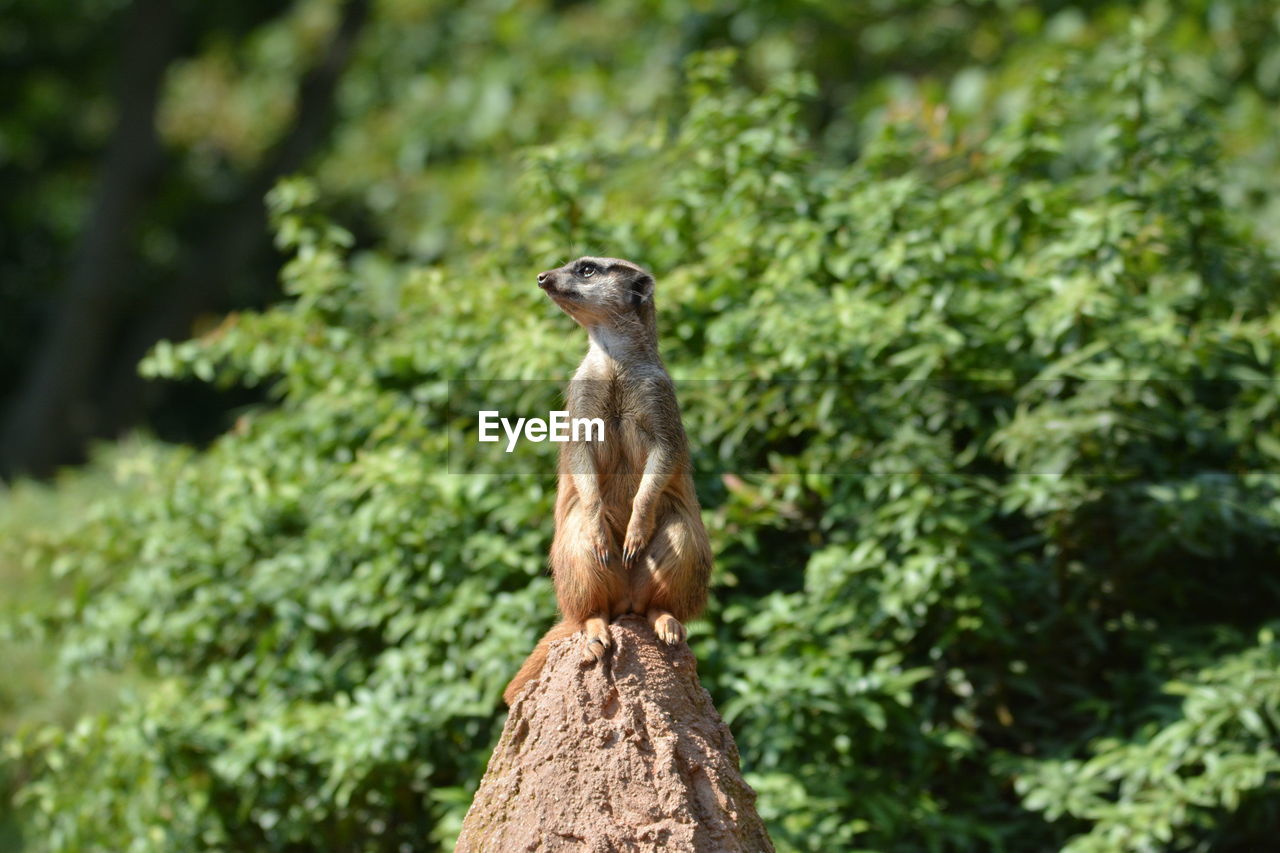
<point>624,755</point>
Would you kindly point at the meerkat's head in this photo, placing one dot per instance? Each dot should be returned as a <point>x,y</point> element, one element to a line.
<point>601,291</point>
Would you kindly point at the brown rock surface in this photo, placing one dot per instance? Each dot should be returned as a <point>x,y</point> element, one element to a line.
<point>624,755</point>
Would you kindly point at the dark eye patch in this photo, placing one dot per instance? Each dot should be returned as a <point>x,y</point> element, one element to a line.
<point>586,269</point>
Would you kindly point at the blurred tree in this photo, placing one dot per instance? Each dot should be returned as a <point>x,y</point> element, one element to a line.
<point>44,418</point>
<point>79,380</point>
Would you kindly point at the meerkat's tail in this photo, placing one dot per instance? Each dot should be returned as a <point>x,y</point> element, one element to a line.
<point>533,664</point>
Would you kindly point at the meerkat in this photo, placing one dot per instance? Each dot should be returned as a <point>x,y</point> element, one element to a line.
<point>629,536</point>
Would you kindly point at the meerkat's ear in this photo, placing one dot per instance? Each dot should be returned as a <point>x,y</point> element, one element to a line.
<point>641,287</point>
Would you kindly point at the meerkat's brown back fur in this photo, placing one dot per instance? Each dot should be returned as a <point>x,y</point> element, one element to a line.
<point>629,536</point>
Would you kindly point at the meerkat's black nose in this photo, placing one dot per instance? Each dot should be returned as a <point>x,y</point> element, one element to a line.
<point>542,279</point>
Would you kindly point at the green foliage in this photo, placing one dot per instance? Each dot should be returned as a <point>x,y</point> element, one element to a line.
<point>985,431</point>
<point>50,551</point>
<point>1219,750</point>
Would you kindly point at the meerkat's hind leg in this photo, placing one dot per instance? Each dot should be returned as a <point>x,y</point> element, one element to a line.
<point>666,626</point>
<point>596,634</point>
<point>662,583</point>
<point>584,585</point>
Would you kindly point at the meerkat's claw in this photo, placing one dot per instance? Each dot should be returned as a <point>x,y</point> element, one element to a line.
<point>601,553</point>
<point>632,548</point>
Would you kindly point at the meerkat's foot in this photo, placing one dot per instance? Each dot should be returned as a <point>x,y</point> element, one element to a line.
<point>667,627</point>
<point>596,632</point>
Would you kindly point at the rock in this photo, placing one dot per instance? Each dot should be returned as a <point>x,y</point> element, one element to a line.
<point>627,754</point>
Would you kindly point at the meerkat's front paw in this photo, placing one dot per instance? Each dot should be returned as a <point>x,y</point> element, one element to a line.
<point>596,633</point>
<point>669,629</point>
<point>600,544</point>
<point>635,542</point>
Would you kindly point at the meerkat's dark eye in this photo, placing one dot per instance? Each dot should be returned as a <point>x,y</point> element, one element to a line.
<point>587,270</point>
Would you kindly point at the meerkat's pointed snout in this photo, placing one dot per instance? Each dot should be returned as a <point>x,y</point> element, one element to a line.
<point>543,279</point>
